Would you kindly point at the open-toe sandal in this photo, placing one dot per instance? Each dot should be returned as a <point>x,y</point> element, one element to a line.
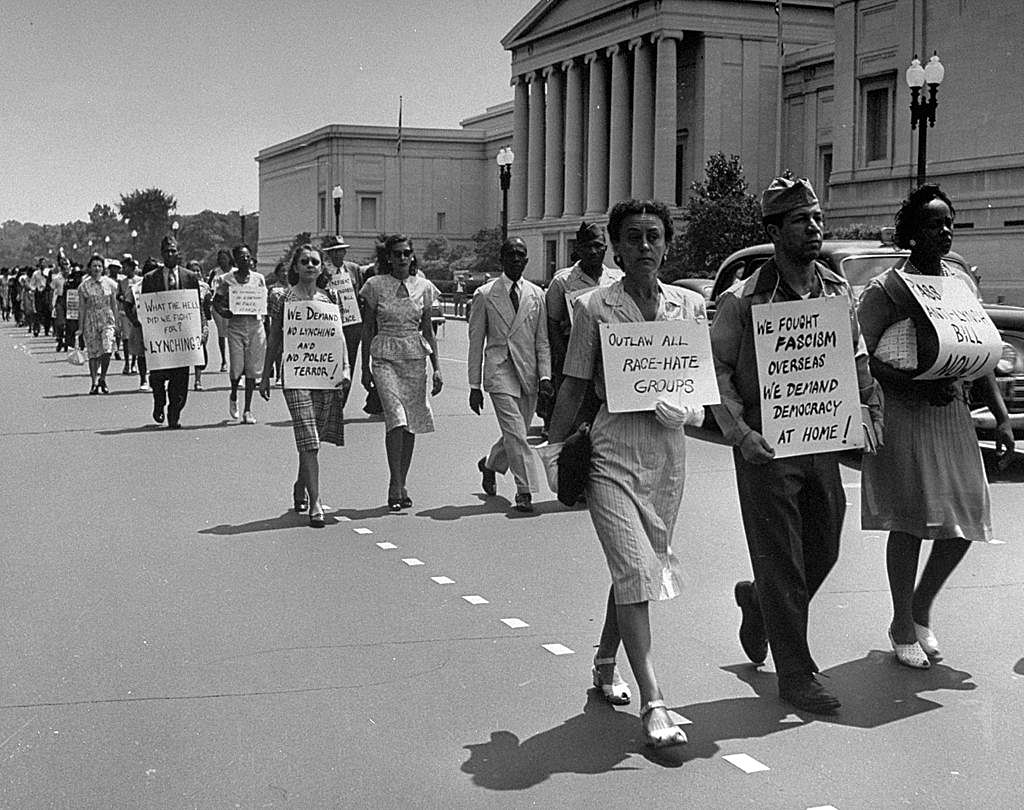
<point>617,692</point>
<point>662,737</point>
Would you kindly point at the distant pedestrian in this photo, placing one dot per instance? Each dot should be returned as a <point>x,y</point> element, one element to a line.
<point>206,314</point>
<point>247,341</point>
<point>5,294</point>
<point>224,265</point>
<point>130,340</point>
<point>336,249</point>
<point>97,301</point>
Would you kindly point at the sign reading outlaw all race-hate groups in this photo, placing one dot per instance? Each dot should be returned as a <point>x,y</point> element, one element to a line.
<point>808,379</point>
<point>172,327</point>
<point>969,343</point>
<point>645,362</point>
<point>247,300</point>
<point>314,346</point>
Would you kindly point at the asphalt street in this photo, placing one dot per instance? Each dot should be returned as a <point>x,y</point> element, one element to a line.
<point>173,636</point>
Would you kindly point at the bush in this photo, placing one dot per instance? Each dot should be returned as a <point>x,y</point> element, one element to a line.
<point>857,230</point>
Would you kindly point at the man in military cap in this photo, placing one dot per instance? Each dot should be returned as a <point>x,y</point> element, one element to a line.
<point>793,507</point>
<point>342,274</point>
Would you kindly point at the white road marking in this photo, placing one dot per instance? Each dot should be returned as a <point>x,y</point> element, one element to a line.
<point>473,599</point>
<point>362,530</point>
<point>823,807</point>
<point>386,546</point>
<point>443,580</point>
<point>745,763</point>
<point>557,649</point>
<point>412,561</point>
<point>515,624</point>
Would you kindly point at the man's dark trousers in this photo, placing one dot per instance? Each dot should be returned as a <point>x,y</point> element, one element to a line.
<point>175,381</point>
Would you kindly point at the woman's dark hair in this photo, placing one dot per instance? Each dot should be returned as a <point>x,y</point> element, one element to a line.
<point>293,265</point>
<point>384,253</point>
<point>909,214</point>
<point>628,208</point>
<point>224,252</point>
<point>96,257</point>
<point>238,249</point>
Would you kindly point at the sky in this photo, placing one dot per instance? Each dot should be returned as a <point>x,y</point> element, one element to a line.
<point>100,98</point>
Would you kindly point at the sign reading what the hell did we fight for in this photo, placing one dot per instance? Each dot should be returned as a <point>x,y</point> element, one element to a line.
<point>314,346</point>
<point>969,343</point>
<point>172,328</point>
<point>645,362</point>
<point>810,402</point>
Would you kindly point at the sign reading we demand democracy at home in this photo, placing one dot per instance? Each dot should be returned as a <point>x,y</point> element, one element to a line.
<point>645,362</point>
<point>808,379</point>
<point>314,346</point>
<point>172,327</point>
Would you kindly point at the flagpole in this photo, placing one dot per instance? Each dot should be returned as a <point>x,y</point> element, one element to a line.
<point>780,48</point>
<point>400,225</point>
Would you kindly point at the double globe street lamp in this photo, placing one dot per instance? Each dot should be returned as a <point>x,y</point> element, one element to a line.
<point>504,160</point>
<point>922,111</point>
<point>336,194</point>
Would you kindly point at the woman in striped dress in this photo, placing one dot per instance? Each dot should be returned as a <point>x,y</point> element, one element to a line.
<point>635,484</point>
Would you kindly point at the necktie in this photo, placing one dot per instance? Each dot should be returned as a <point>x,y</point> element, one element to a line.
<point>172,282</point>
<point>513,294</point>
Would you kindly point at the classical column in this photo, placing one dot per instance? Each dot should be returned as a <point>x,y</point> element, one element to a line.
<point>521,148</point>
<point>642,186</point>
<point>554,141</point>
<point>665,117</point>
<point>619,131</point>
<point>535,165</point>
<point>574,138</point>
<point>597,137</point>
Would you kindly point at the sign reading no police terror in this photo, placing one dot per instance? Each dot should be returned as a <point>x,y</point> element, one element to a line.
<point>808,378</point>
<point>172,328</point>
<point>314,346</point>
<point>645,362</point>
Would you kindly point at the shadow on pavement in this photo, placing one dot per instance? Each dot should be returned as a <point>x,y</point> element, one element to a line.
<point>153,426</point>
<point>1019,667</point>
<point>283,521</point>
<point>594,742</point>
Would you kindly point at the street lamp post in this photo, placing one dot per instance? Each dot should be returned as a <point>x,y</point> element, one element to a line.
<point>504,160</point>
<point>106,246</point>
<point>174,229</point>
<point>241,221</point>
<point>922,112</point>
<point>337,193</point>
<point>135,241</point>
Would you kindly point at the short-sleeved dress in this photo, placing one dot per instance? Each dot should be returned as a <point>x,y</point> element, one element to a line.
<point>928,478</point>
<point>97,307</point>
<point>399,352</point>
<point>638,466</point>
<point>317,414</point>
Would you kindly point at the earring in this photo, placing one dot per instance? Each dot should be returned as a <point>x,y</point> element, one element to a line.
<point>913,242</point>
<point>618,259</point>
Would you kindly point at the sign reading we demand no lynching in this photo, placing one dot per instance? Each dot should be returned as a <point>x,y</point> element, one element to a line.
<point>807,375</point>
<point>314,346</point>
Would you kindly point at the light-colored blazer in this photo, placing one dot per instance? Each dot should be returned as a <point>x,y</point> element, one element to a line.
<point>510,347</point>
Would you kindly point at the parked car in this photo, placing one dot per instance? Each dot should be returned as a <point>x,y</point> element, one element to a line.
<point>859,261</point>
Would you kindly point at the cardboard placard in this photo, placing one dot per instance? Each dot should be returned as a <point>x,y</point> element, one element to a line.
<point>172,328</point>
<point>969,343</point>
<point>652,360</point>
<point>71,305</point>
<point>245,299</point>
<point>314,346</point>
<point>807,375</point>
<point>341,283</point>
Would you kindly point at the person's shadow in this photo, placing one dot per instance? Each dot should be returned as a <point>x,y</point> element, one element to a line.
<point>286,520</point>
<point>1019,667</point>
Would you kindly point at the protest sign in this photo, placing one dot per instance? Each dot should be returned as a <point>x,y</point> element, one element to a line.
<point>172,328</point>
<point>810,402</point>
<point>652,360</point>
<point>247,300</point>
<point>314,346</point>
<point>341,283</point>
<point>71,305</point>
<point>969,343</point>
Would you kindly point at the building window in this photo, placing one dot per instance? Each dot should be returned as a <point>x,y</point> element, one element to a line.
<point>877,99</point>
<point>321,219</point>
<point>824,172</point>
<point>681,186</point>
<point>368,212</point>
<point>550,258</point>
<point>440,222</point>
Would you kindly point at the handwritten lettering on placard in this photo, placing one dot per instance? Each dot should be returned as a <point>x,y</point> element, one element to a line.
<point>172,328</point>
<point>645,362</point>
<point>246,300</point>
<point>807,376</point>
<point>71,305</point>
<point>314,345</point>
<point>341,284</point>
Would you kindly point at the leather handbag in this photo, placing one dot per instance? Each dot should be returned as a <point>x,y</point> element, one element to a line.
<point>574,466</point>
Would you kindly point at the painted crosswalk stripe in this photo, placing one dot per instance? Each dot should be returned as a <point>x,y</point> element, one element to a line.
<point>823,807</point>
<point>515,624</point>
<point>557,649</point>
<point>443,580</point>
<point>386,545</point>
<point>473,599</point>
<point>412,561</point>
<point>362,530</point>
<point>745,763</point>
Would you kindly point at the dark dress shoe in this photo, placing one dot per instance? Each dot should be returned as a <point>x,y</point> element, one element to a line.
<point>158,415</point>
<point>808,695</point>
<point>173,424</point>
<point>524,502</point>
<point>752,635</point>
<point>488,480</point>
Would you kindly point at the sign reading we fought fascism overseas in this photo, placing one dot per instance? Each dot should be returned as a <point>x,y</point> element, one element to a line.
<point>808,379</point>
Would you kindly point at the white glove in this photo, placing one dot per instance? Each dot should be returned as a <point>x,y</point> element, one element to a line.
<point>675,417</point>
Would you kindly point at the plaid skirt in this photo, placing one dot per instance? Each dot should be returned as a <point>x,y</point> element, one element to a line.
<point>316,417</point>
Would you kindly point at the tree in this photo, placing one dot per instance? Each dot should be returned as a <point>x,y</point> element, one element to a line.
<point>148,213</point>
<point>488,246</point>
<point>719,218</point>
<point>304,238</point>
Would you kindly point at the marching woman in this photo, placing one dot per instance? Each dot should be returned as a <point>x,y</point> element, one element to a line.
<point>247,341</point>
<point>316,414</point>
<point>97,302</point>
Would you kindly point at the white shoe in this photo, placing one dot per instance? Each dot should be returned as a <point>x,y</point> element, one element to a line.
<point>926,638</point>
<point>233,407</point>
<point>248,418</point>
<point>145,387</point>
<point>910,655</point>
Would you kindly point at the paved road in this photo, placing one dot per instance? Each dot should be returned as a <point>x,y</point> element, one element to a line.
<point>174,637</point>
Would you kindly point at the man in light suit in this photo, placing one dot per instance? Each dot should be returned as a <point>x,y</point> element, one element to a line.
<point>170,385</point>
<point>509,355</point>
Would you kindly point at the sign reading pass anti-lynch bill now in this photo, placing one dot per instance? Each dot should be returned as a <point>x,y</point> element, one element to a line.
<point>314,345</point>
<point>172,328</point>
<point>652,360</point>
<point>808,379</point>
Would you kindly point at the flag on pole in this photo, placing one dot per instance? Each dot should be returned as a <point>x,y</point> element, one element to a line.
<point>399,143</point>
<point>778,7</point>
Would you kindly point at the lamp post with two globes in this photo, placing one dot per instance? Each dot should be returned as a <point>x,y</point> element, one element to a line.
<point>504,160</point>
<point>922,111</point>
